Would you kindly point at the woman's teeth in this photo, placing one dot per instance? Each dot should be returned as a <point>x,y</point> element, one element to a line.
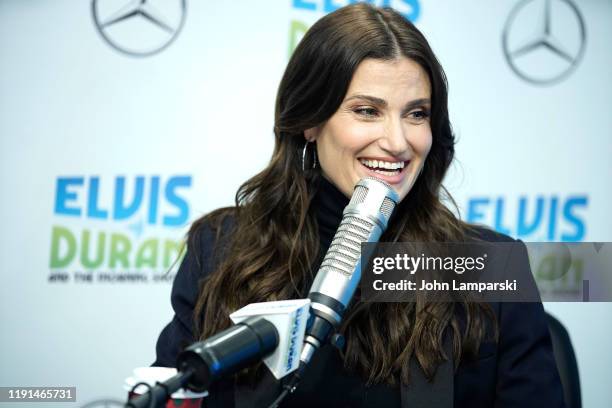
<point>382,167</point>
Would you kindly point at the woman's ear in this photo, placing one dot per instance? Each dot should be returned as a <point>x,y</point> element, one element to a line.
<point>311,134</point>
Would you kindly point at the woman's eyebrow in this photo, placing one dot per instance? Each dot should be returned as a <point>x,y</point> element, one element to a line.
<point>381,102</point>
<point>417,102</point>
<point>372,99</point>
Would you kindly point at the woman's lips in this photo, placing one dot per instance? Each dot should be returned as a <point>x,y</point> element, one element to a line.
<point>391,179</point>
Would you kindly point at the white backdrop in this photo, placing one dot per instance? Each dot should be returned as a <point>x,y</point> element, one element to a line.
<point>195,120</point>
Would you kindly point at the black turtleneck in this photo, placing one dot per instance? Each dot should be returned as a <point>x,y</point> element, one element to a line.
<point>329,202</point>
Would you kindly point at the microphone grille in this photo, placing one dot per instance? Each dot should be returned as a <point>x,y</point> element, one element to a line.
<point>345,249</point>
<point>359,195</point>
<point>387,207</point>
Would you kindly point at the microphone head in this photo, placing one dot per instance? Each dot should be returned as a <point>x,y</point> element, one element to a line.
<point>364,219</point>
<point>373,198</point>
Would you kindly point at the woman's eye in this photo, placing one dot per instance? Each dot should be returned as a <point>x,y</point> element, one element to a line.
<point>367,112</point>
<point>419,115</point>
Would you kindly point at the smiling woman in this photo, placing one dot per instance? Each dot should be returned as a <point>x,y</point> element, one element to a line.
<point>381,129</point>
<point>363,95</point>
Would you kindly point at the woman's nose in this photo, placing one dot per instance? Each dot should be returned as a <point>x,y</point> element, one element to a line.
<point>395,137</point>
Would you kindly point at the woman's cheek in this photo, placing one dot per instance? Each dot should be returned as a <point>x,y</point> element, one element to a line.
<point>351,133</point>
<point>424,142</point>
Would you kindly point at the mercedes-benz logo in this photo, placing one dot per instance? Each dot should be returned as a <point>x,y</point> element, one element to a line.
<point>139,27</point>
<point>544,40</point>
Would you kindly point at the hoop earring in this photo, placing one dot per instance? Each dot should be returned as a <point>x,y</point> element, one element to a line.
<point>314,156</point>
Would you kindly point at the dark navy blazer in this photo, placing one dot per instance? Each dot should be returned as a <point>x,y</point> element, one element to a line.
<point>518,371</point>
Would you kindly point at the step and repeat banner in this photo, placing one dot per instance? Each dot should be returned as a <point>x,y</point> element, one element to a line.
<point>123,121</point>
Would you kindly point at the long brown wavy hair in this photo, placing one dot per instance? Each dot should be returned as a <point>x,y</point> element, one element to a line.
<point>273,242</point>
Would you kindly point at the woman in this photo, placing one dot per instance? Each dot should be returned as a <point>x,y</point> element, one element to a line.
<point>362,95</point>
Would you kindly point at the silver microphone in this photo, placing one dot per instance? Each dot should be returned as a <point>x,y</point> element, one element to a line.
<point>364,219</point>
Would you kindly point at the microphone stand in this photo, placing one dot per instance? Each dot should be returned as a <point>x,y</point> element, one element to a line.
<point>161,392</point>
